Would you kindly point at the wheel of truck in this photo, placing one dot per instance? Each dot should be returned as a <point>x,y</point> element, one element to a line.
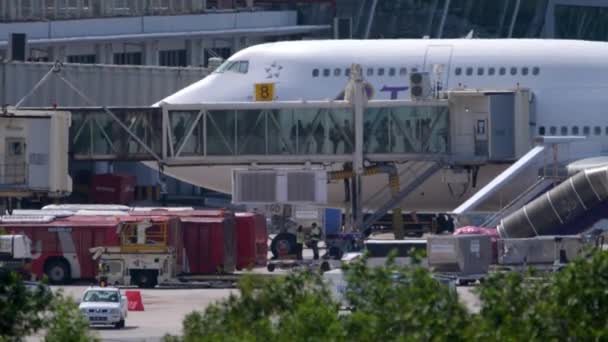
<point>58,271</point>
<point>283,244</point>
<point>325,267</point>
<point>120,324</point>
<point>144,279</point>
<point>270,267</point>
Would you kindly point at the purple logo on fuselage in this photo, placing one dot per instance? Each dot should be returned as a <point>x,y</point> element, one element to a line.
<point>394,91</point>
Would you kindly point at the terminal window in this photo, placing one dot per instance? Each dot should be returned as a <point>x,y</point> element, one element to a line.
<point>175,58</point>
<point>82,59</point>
<point>128,58</point>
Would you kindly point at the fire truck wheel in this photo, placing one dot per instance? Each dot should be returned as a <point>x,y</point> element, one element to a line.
<point>144,279</point>
<point>58,271</point>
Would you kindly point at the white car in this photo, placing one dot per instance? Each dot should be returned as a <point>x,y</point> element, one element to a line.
<point>104,305</point>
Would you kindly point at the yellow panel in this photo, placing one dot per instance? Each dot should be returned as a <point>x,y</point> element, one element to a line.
<point>264,91</point>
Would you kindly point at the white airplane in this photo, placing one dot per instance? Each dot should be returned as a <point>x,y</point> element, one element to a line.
<point>569,81</point>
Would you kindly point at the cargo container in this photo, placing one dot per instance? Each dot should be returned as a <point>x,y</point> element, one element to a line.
<point>251,240</point>
<point>209,244</point>
<point>61,246</point>
<point>112,189</point>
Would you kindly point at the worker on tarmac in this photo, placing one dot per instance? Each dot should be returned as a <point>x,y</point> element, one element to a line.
<point>103,270</point>
<point>315,236</point>
<point>300,237</point>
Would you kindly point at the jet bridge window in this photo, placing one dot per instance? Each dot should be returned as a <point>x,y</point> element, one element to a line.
<point>392,72</point>
<point>469,71</point>
<point>315,72</point>
<point>502,71</point>
<point>458,71</point>
<point>597,130</point>
<point>586,130</point>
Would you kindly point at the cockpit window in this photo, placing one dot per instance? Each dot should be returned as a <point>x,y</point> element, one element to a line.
<point>240,67</point>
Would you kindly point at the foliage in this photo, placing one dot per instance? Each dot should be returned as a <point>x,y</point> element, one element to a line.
<point>25,311</point>
<point>67,324</point>
<point>408,304</point>
<point>21,309</point>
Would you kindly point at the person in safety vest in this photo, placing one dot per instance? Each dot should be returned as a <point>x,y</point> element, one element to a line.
<point>103,270</point>
<point>315,236</point>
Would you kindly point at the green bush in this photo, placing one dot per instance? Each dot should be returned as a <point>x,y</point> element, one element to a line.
<point>393,303</point>
<point>26,311</point>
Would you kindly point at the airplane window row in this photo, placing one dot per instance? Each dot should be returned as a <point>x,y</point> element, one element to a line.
<point>337,72</point>
<point>501,71</point>
<point>563,130</point>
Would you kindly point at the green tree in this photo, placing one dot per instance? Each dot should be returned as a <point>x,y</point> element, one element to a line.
<point>66,323</point>
<point>22,310</point>
<point>25,311</point>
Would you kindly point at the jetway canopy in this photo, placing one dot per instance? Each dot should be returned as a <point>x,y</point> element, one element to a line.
<point>465,127</point>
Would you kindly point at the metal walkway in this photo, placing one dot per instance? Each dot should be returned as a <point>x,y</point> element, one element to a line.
<point>262,133</point>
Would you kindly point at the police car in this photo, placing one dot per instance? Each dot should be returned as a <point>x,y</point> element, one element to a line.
<point>104,305</point>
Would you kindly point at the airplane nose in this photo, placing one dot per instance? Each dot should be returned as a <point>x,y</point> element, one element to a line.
<point>197,92</point>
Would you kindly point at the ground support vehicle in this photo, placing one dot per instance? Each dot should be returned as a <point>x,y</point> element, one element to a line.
<point>15,253</point>
<point>104,306</point>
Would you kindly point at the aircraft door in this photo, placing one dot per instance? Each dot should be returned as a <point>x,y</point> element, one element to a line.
<point>437,62</point>
<point>14,167</point>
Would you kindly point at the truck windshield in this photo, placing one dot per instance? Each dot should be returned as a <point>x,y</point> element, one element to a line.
<point>101,296</point>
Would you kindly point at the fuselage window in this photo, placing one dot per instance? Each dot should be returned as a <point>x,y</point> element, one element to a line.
<point>502,71</point>
<point>606,130</point>
<point>597,130</point>
<point>491,71</point>
<point>414,69</point>
<point>524,71</point>
<point>469,71</point>
<point>458,71</point>
<point>347,72</point>
<point>480,71</point>
<point>564,130</point>
<point>337,71</point>
<point>535,71</point>
<point>586,130</point>
<point>370,71</point>
<point>513,71</point>
<point>541,130</point>
<point>315,72</point>
<point>402,71</point>
<point>575,130</point>
<point>326,72</point>
<point>553,130</point>
<point>380,71</point>
<point>392,72</point>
